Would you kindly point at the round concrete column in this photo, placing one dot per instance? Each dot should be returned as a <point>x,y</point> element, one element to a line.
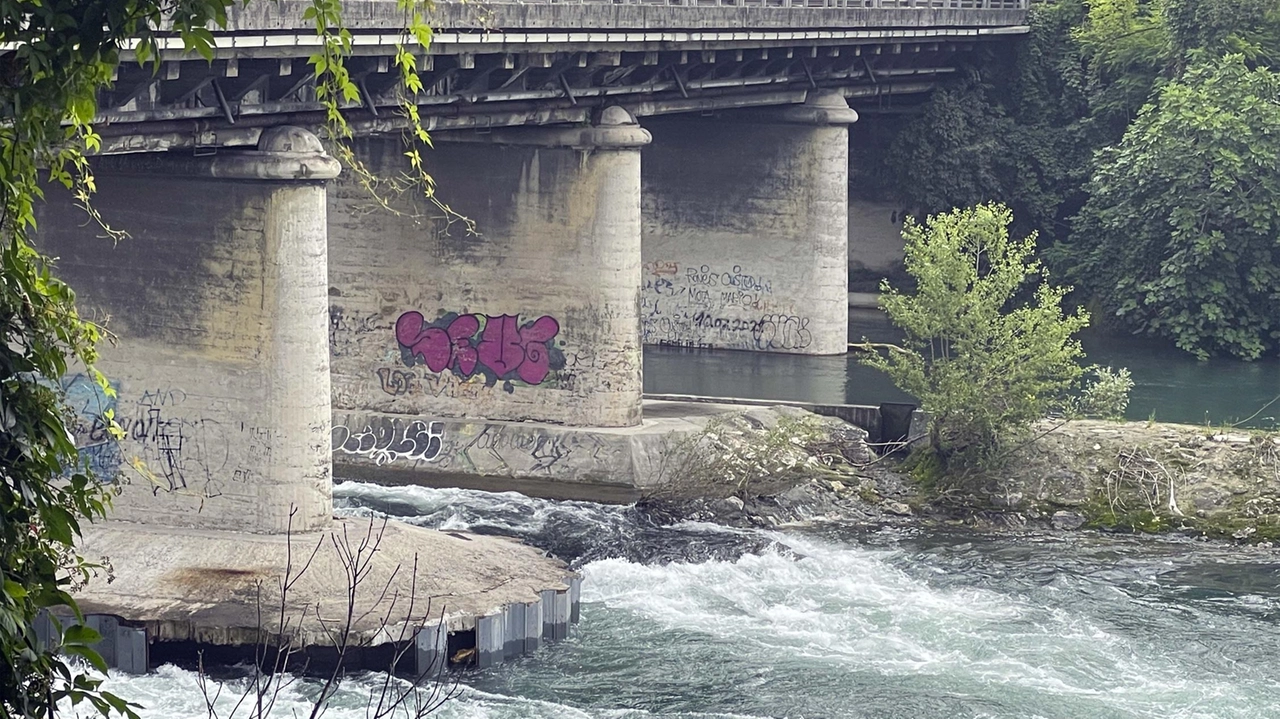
<point>223,372</point>
<point>299,472</point>
<point>554,259</point>
<point>599,195</point>
<point>822,137</point>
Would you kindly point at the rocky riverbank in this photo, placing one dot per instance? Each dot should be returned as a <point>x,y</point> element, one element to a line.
<point>776,466</point>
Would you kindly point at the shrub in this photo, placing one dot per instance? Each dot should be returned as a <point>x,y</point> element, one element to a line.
<point>985,354</point>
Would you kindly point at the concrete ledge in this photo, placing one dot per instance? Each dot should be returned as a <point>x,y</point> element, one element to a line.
<point>871,418</point>
<point>864,300</point>
<point>205,586</point>
<point>226,165</point>
<point>590,463</point>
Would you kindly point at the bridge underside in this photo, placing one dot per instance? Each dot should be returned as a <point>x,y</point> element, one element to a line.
<point>679,185</point>
<point>552,64</point>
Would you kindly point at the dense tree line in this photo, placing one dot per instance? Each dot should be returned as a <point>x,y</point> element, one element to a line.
<point>1141,139</point>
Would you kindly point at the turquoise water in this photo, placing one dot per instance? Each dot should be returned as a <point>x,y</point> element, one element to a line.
<point>834,622</point>
<point>1170,385</point>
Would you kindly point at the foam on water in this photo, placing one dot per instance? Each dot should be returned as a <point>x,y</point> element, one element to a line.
<point>842,625</point>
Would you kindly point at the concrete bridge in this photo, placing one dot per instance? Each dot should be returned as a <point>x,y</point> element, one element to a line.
<point>636,172</point>
<point>630,172</point>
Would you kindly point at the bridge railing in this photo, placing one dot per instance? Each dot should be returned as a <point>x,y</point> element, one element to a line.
<point>850,4</point>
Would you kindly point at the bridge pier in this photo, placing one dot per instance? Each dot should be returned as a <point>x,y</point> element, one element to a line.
<point>218,300</point>
<point>529,314</point>
<point>746,229</point>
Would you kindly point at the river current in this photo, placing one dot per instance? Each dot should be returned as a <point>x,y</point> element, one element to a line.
<point>834,622</point>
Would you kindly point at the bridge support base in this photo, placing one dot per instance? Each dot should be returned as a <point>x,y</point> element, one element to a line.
<point>218,301</point>
<point>517,302</point>
<point>746,229</point>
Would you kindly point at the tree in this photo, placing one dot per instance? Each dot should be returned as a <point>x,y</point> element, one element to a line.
<point>1181,235</point>
<point>984,358</point>
<point>1015,127</point>
<point>57,55</point>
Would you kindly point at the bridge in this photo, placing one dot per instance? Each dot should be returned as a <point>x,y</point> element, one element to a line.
<point>504,64</point>
<point>630,172</point>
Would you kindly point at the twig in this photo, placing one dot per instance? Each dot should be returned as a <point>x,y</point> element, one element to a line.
<point>1261,409</point>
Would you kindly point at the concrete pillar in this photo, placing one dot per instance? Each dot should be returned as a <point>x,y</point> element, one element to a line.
<point>219,301</point>
<point>519,304</point>
<point>746,229</point>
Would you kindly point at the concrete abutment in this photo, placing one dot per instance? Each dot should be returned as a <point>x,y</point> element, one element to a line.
<point>518,302</point>
<point>220,382</point>
<point>746,229</point>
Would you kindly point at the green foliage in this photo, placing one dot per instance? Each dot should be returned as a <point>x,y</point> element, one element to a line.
<point>1224,27</point>
<point>984,362</point>
<point>1126,50</point>
<point>1011,129</point>
<point>1181,236</point>
<point>1107,397</point>
<point>59,54</point>
<point>63,52</point>
<point>1060,119</point>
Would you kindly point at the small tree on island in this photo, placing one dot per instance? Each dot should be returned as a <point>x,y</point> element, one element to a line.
<point>986,354</point>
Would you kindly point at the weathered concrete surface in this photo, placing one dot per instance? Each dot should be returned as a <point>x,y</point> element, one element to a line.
<point>745,230</point>
<point>875,243</point>
<point>203,585</point>
<point>217,301</point>
<point>531,315</point>
<point>595,463</point>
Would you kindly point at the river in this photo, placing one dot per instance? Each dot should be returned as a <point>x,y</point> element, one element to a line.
<point>1169,385</point>
<point>838,622</point>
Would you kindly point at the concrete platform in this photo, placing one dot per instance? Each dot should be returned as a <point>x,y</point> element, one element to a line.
<point>184,585</point>
<point>599,464</point>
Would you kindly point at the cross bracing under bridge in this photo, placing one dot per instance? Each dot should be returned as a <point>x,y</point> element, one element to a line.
<point>508,64</point>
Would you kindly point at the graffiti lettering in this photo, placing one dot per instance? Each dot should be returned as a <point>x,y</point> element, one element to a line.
<point>495,448</point>
<point>346,328</point>
<point>497,347</point>
<point>782,332</point>
<point>711,307</point>
<point>701,276</point>
<point>745,282</point>
<point>662,267</point>
<point>387,440</point>
<point>396,381</point>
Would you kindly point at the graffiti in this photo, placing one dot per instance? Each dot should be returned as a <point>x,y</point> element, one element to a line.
<point>346,329</point>
<point>92,406</point>
<point>704,330</point>
<point>701,276</point>
<point>708,306</point>
<point>497,347</point>
<point>173,453</point>
<point>748,283</point>
<point>507,450</point>
<point>782,332</point>
<point>668,288</point>
<point>661,267</point>
<point>387,440</point>
<point>686,344</point>
<point>475,448</point>
<point>176,453</point>
<point>396,382</point>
